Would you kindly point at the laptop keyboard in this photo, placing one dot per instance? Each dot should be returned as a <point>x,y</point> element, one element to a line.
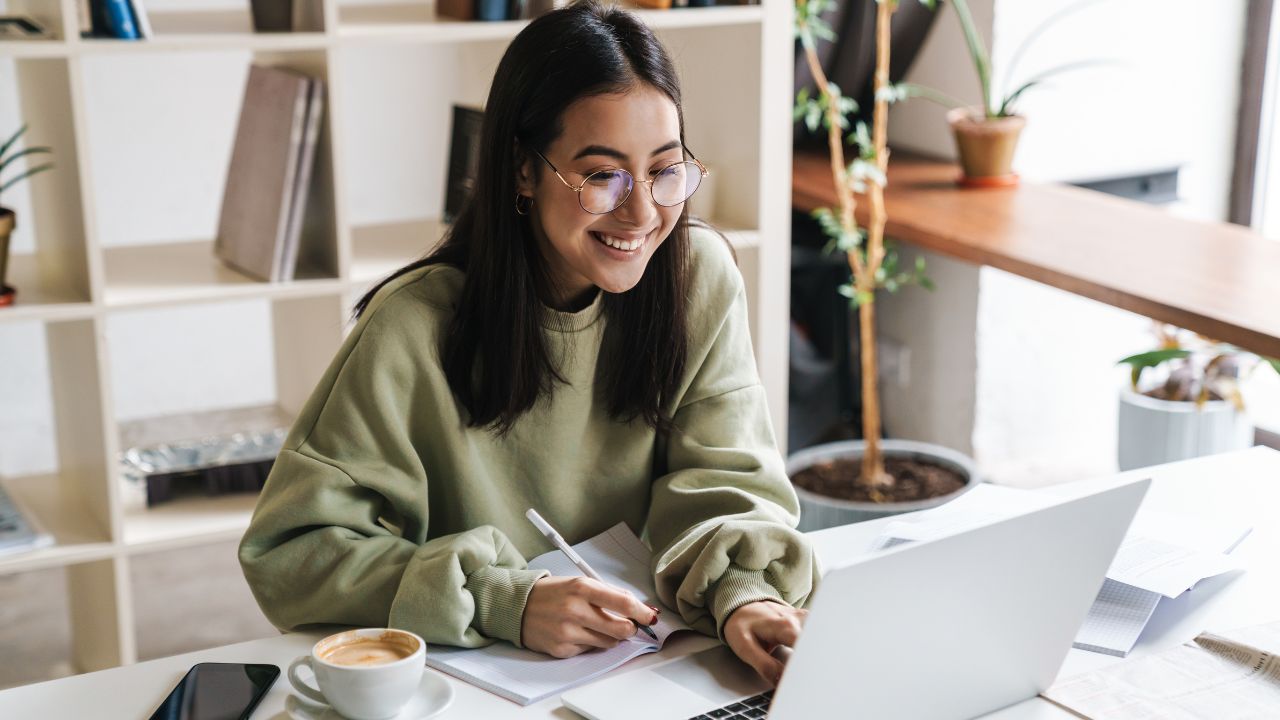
<point>752,707</point>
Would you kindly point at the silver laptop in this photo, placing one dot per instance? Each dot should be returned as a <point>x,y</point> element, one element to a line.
<point>953,627</point>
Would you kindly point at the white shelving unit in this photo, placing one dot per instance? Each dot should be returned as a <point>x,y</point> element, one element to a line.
<point>736,65</point>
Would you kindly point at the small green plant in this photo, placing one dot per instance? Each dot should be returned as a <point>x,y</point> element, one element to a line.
<point>9,155</point>
<point>1002,104</point>
<point>1194,368</point>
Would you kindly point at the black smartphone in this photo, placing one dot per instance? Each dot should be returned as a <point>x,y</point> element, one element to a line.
<point>218,691</point>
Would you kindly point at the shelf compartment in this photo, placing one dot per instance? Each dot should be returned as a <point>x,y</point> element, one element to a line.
<point>38,299</point>
<point>169,587</point>
<point>45,12</point>
<point>188,272</point>
<point>379,250</point>
<point>189,522</point>
<point>195,520</point>
<point>49,257</point>
<point>157,194</point>
<point>218,29</point>
<point>78,537</point>
<point>418,22</point>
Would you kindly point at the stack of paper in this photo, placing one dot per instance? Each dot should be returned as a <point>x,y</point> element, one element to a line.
<point>1162,556</point>
<point>1237,670</point>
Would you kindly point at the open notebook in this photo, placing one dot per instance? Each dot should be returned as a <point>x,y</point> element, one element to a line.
<point>524,676</point>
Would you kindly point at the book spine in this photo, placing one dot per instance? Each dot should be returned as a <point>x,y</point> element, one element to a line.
<point>120,20</point>
<point>491,10</point>
<point>302,184</point>
<point>141,20</point>
<point>98,25</point>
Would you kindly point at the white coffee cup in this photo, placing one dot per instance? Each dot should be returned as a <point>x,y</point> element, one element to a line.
<point>367,674</point>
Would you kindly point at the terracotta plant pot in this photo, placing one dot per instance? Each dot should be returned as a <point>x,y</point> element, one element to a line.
<point>818,511</point>
<point>8,221</point>
<point>986,146</point>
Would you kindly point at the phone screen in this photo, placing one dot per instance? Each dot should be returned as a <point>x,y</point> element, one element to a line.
<point>218,691</point>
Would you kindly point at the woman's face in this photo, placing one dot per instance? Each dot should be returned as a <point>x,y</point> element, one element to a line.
<point>637,131</point>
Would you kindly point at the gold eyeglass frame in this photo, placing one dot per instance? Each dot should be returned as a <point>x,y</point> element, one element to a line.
<point>578,188</point>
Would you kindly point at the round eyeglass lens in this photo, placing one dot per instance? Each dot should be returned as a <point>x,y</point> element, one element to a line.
<point>676,183</point>
<point>604,191</point>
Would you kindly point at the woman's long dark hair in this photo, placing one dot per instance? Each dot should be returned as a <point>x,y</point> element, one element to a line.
<point>495,355</point>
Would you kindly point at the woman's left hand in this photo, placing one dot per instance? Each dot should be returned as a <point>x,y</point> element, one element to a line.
<point>756,629</point>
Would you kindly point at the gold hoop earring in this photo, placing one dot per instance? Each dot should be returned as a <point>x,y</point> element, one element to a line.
<point>526,209</point>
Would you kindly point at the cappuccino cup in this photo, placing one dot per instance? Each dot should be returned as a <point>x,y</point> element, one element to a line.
<point>368,674</point>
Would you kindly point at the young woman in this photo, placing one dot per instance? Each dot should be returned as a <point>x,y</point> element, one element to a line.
<point>573,346</point>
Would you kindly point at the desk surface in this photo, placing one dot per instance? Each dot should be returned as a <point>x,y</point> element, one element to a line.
<point>1219,279</point>
<point>1242,487</point>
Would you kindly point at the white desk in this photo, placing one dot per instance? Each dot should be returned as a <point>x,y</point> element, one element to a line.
<point>1238,487</point>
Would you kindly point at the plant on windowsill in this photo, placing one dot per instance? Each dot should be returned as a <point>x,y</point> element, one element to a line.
<point>844,482</point>
<point>8,218</point>
<point>1189,404</point>
<point>987,135</point>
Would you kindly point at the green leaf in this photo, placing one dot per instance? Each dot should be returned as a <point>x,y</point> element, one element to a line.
<point>12,139</point>
<point>1142,361</point>
<point>1039,30</point>
<point>23,176</point>
<point>1154,357</point>
<point>813,116</point>
<point>1274,363</point>
<point>977,51</point>
<point>1006,107</point>
<point>6,162</point>
<point>931,4</point>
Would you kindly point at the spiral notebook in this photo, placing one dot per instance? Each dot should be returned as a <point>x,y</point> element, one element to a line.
<point>525,676</point>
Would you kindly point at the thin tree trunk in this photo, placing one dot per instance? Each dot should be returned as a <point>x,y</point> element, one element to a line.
<point>873,476</point>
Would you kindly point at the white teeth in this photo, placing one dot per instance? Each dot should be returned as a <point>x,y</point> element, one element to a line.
<point>626,245</point>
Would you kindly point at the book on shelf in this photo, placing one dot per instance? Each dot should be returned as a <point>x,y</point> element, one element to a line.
<point>269,178</point>
<point>119,19</point>
<point>464,158</point>
<point>19,531</point>
<point>493,10</point>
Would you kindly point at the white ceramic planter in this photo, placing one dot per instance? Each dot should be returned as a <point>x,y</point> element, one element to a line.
<point>1154,431</point>
<point>819,511</point>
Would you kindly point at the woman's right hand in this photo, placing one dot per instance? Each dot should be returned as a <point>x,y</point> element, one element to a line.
<point>565,616</point>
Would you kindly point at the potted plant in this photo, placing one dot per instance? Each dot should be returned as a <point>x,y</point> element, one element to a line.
<point>987,135</point>
<point>8,218</point>
<point>844,482</point>
<point>1189,404</point>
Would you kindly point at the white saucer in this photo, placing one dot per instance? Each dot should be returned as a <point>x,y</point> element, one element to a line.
<point>434,696</point>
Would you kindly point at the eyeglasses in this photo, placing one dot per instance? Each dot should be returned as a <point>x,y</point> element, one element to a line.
<point>604,191</point>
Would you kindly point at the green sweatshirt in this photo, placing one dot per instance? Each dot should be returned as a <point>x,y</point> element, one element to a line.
<point>384,509</point>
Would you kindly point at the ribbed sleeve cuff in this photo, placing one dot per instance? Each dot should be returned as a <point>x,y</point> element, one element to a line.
<point>737,587</point>
<point>500,595</point>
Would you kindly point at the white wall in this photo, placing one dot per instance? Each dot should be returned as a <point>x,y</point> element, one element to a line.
<point>1045,372</point>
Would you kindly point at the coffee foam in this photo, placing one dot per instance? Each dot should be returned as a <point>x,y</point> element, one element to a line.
<point>351,649</point>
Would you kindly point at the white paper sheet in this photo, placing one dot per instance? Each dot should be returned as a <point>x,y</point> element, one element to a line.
<point>524,676</point>
<point>1163,555</point>
<point>1235,674</point>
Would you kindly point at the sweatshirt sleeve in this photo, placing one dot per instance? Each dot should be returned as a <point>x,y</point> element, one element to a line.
<point>723,515</point>
<point>340,532</point>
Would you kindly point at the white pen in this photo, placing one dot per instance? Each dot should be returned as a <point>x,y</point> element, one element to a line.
<point>545,528</point>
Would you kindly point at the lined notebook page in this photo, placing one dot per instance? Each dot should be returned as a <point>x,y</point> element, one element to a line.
<point>1116,619</point>
<point>524,676</point>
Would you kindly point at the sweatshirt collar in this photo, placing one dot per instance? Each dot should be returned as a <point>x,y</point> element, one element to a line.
<point>560,321</point>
